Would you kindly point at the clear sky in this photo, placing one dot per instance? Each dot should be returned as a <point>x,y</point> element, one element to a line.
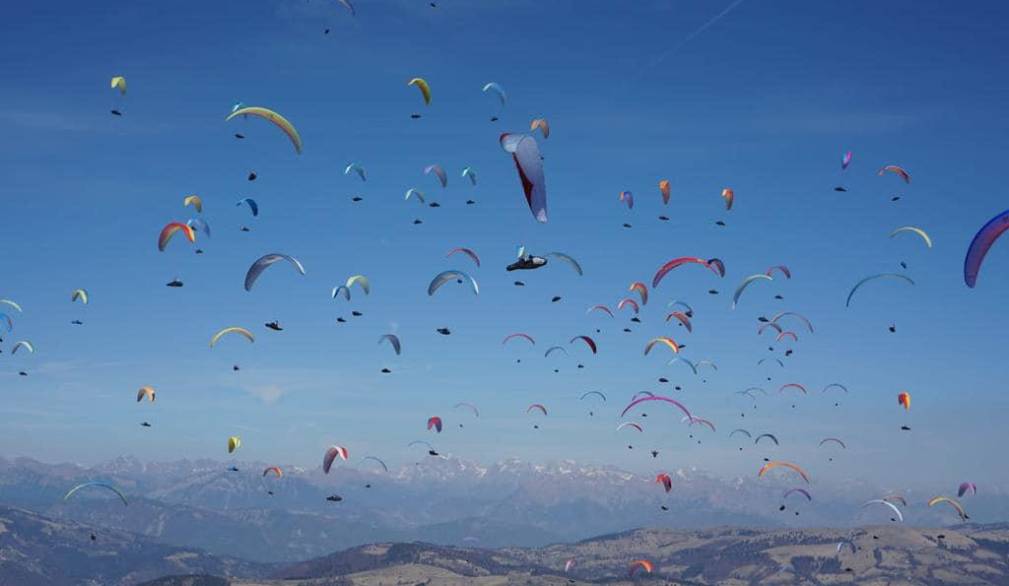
<point>765,101</point>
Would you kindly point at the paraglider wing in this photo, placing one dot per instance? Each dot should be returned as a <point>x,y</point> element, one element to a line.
<point>537,407</point>
<point>104,485</point>
<point>470,406</point>
<point>664,190</point>
<point>195,201</point>
<point>782,464</point>
<point>677,262</point>
<point>896,170</point>
<point>980,245</point>
<point>742,431</point>
<point>444,277</point>
<point>568,259</point>
<point>434,423</point>
<point>11,303</point>
<point>664,340</point>
<point>497,90</point>
<point>859,284</point>
<point>332,453</point>
<point>846,160</point>
<point>782,268</point>
<point>542,124</point>
<point>231,330</point>
<point>146,393</point>
<point>892,506</point>
<point>664,479</point>
<point>746,283</point>
<point>835,440</point>
<point>346,4</point>
<point>641,289</point>
<point>646,399</point>
<point>601,308</point>
<point>588,342</point>
<point>438,172</point>
<point>361,281</point>
<point>23,344</point>
<point>269,115</point>
<point>966,487</point>
<point>234,442</point>
<point>629,302</point>
<point>682,318</point>
<point>801,318</point>
<point>393,339</point>
<point>801,491</point>
<point>266,261</point>
<point>356,168</point>
<point>729,196</point>
<point>118,83</point>
<point>768,436</point>
<point>521,335</point>
<point>628,198</point>
<point>374,459</point>
<point>952,502</point>
<point>253,206</point>
<point>641,565</point>
<point>470,173</point>
<point>597,393</point>
<point>630,424</point>
<point>529,163</point>
<point>914,230</point>
<point>467,252</point>
<point>170,229</point>
<point>421,84</point>
<point>904,400</point>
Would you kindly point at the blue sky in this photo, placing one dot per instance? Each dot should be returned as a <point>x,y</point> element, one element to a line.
<point>765,101</point>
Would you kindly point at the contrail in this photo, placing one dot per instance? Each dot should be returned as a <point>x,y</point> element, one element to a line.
<point>694,34</point>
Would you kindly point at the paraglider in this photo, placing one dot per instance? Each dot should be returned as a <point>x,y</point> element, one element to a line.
<point>11,304</point>
<point>640,565</point>
<point>470,406</point>
<point>904,400</point>
<point>234,442</point>
<point>264,262</point>
<point>953,503</point>
<point>253,206</point>
<point>859,284</point>
<point>979,246</point>
<point>277,472</point>
<point>597,393</point>
<point>846,160</point>
<point>833,439</point>
<point>232,330</point>
<point>377,460</point>
<point>682,318</point>
<point>529,163</point>
<point>641,289</point>
<point>729,196</point>
<point>496,89</point>
<point>359,280</point>
<point>542,125</point>
<point>588,342</point>
<point>884,502</point>
<point>835,386</point>
<point>146,393</point>
<point>797,316</point>
<point>446,276</point>
<point>746,283</point>
<point>768,436</point>
<point>356,168</point>
<point>521,335</point>
<point>664,190</point>
<point>664,479</point>
<point>677,262</point>
<point>468,172</point>
<point>332,453</point>
<point>393,340</point>
<point>781,268</point>
<point>628,302</point>
<point>537,407</point>
<point>649,398</point>
<point>438,172</point>
<point>782,464</point>
<point>914,230</point>
<point>742,431</point>
<point>414,193</point>
<point>472,255</point>
<point>104,485</point>
<point>170,229</point>
<point>801,491</point>
<point>567,259</point>
<point>793,386</point>
<point>628,198</point>
<point>664,340</point>
<point>119,83</point>
<point>966,487</point>
<point>434,423</point>
<point>269,115</point>
<point>23,344</point>
<point>195,201</point>
<point>421,84</point>
<point>601,308</point>
<point>630,424</point>
<point>896,170</point>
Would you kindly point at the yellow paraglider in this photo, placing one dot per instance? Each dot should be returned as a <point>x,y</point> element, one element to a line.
<point>267,114</point>
<point>234,442</point>
<point>232,330</point>
<point>195,201</point>
<point>119,83</point>
<point>421,84</point>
